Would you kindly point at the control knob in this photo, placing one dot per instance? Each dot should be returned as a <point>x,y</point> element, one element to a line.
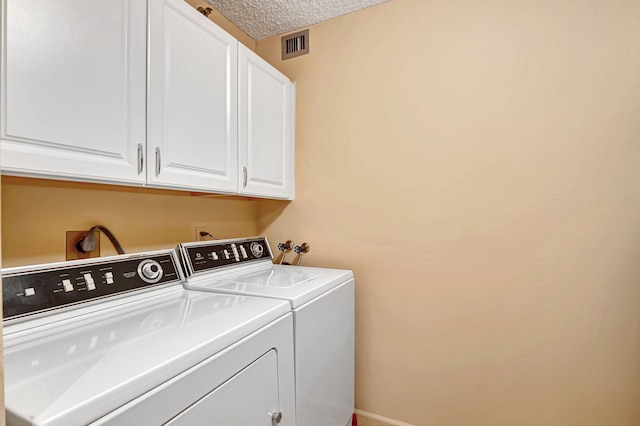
<point>150,271</point>
<point>256,249</point>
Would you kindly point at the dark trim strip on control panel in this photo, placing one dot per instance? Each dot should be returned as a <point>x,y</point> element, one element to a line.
<point>53,286</point>
<point>207,256</point>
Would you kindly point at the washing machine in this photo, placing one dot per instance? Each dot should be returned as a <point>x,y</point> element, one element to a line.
<point>321,301</point>
<point>119,341</point>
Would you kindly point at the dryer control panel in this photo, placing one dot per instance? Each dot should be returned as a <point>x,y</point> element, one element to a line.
<point>215,254</point>
<point>28,291</point>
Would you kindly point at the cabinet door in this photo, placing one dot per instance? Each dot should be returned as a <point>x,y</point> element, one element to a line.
<point>192,100</point>
<point>73,89</point>
<point>265,129</point>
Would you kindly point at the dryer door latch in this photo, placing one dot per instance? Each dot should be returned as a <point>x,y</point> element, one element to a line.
<point>276,418</point>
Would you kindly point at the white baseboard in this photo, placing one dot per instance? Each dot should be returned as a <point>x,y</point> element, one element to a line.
<point>370,419</point>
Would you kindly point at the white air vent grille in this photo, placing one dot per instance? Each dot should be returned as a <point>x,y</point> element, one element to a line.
<point>295,44</point>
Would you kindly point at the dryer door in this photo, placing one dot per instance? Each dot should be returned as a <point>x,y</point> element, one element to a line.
<point>248,398</point>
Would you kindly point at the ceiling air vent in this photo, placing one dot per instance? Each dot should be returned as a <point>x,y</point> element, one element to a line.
<point>295,44</point>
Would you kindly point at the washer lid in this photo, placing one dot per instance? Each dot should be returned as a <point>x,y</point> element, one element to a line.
<point>297,284</point>
<point>79,369</point>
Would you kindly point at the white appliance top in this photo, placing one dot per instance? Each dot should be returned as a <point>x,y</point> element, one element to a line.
<point>254,276</point>
<point>84,366</point>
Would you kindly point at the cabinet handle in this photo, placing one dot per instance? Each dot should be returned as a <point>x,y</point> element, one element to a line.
<point>140,158</point>
<point>244,171</point>
<point>158,161</point>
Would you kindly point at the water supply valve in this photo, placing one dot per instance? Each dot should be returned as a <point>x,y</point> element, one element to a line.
<point>285,248</point>
<point>301,249</point>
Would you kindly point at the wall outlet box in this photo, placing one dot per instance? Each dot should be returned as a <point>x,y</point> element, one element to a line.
<point>198,230</point>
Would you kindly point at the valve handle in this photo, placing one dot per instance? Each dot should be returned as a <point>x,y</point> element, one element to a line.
<point>304,248</point>
<point>286,246</point>
<point>301,249</point>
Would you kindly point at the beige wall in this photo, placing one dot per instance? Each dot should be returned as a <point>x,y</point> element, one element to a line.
<point>477,165</point>
<point>37,213</point>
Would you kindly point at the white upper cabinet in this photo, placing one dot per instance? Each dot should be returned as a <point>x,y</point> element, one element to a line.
<point>73,89</point>
<point>139,92</point>
<point>192,100</point>
<point>265,129</point>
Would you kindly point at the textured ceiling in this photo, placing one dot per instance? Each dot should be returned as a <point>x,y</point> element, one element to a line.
<point>265,18</point>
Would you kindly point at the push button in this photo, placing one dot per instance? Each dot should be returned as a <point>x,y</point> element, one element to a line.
<point>91,285</point>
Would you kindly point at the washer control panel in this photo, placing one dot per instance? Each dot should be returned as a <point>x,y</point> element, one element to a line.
<point>47,287</point>
<point>209,255</point>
